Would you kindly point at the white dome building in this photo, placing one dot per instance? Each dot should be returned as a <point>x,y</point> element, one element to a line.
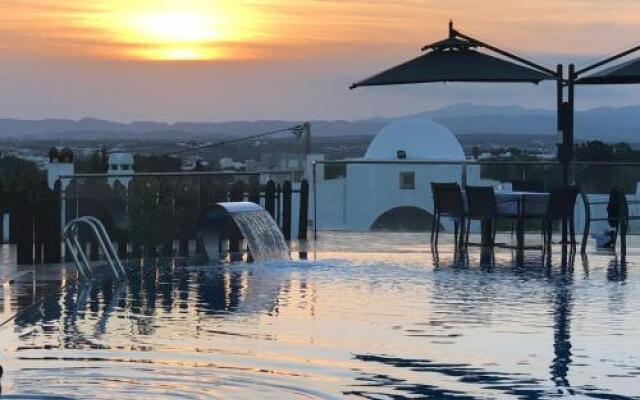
<point>390,187</point>
<point>418,138</point>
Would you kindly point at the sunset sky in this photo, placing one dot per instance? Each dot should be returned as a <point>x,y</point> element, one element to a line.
<point>250,59</point>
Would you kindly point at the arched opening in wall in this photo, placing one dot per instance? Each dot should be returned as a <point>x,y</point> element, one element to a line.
<point>404,219</point>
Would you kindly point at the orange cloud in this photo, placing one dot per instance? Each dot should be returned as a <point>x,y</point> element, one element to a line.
<point>268,29</point>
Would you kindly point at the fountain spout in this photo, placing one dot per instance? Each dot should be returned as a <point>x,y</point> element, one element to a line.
<point>225,220</point>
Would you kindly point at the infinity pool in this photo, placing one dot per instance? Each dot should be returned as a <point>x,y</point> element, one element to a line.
<point>383,321</point>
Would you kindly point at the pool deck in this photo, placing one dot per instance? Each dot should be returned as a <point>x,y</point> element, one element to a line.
<point>25,286</point>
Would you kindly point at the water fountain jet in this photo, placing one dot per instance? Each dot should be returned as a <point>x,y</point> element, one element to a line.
<point>248,220</point>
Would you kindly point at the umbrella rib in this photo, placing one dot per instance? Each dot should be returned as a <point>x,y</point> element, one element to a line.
<point>507,54</point>
<point>607,60</point>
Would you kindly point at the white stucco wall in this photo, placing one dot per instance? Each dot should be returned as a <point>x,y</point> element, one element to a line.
<point>370,190</point>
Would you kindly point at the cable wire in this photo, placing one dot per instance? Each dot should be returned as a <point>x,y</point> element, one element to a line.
<point>229,141</point>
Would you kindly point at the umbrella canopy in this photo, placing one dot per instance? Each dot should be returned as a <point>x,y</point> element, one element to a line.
<point>455,59</point>
<point>627,72</point>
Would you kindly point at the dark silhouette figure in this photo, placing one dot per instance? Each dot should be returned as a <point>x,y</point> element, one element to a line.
<point>53,154</point>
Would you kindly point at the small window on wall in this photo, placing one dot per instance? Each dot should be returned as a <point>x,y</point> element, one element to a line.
<point>114,167</point>
<point>407,180</point>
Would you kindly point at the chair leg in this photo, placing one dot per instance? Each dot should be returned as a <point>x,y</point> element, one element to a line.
<point>456,231</point>
<point>435,243</point>
<point>572,232</point>
<point>549,230</point>
<point>623,238</point>
<point>467,230</point>
<point>494,227</point>
<point>544,237</point>
<point>433,227</point>
<point>585,235</point>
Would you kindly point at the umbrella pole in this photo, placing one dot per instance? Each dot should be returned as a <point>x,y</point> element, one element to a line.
<point>567,139</point>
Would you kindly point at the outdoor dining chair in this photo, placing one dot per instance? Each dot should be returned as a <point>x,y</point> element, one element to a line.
<point>447,202</point>
<point>481,206</point>
<point>625,218</point>
<point>560,207</point>
<point>527,213</point>
<point>618,216</point>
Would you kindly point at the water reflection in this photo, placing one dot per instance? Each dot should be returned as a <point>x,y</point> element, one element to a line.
<point>562,330</point>
<point>560,280</point>
<point>477,324</point>
<point>150,292</point>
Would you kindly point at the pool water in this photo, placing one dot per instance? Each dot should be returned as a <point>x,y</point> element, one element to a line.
<point>384,322</point>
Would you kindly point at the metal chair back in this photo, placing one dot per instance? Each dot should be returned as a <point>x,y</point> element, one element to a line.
<point>617,208</point>
<point>561,203</point>
<point>447,199</point>
<point>481,202</point>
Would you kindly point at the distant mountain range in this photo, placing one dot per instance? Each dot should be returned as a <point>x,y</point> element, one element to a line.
<point>609,124</point>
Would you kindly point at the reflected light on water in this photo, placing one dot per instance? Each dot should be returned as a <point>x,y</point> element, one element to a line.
<point>368,324</point>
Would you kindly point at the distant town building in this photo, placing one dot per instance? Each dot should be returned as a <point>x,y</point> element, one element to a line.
<point>120,163</point>
<point>297,166</point>
<point>59,163</point>
<point>227,163</point>
<point>194,163</point>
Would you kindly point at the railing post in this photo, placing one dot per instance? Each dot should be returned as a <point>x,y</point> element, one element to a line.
<point>24,228</point>
<point>303,215</point>
<point>315,204</point>
<point>48,224</point>
<point>58,223</point>
<point>40,223</point>
<point>13,205</point>
<point>278,204</point>
<point>270,198</point>
<point>122,247</point>
<point>94,254</point>
<point>254,192</point>
<point>236,193</point>
<point>287,191</point>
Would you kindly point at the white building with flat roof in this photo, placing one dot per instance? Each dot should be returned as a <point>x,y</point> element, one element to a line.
<point>120,163</point>
<point>390,187</point>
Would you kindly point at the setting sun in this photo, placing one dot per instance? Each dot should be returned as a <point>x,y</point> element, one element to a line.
<point>172,35</point>
<point>175,26</point>
<point>170,30</point>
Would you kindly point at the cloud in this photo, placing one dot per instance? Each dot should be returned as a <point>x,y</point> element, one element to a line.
<point>287,59</point>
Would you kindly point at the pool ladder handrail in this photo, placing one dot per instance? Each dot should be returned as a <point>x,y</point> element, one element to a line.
<point>101,235</point>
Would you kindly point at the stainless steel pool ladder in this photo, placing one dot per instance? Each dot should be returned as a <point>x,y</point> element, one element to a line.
<point>78,254</point>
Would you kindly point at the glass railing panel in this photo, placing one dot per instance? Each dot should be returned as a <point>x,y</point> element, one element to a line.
<point>159,214</point>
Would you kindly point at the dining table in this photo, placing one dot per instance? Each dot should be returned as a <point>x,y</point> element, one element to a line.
<point>520,206</point>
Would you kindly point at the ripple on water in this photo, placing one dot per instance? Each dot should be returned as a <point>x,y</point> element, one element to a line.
<point>385,328</point>
<point>119,379</point>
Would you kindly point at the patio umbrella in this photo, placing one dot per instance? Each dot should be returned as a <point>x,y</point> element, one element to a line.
<point>455,59</point>
<point>625,73</point>
<point>458,59</point>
